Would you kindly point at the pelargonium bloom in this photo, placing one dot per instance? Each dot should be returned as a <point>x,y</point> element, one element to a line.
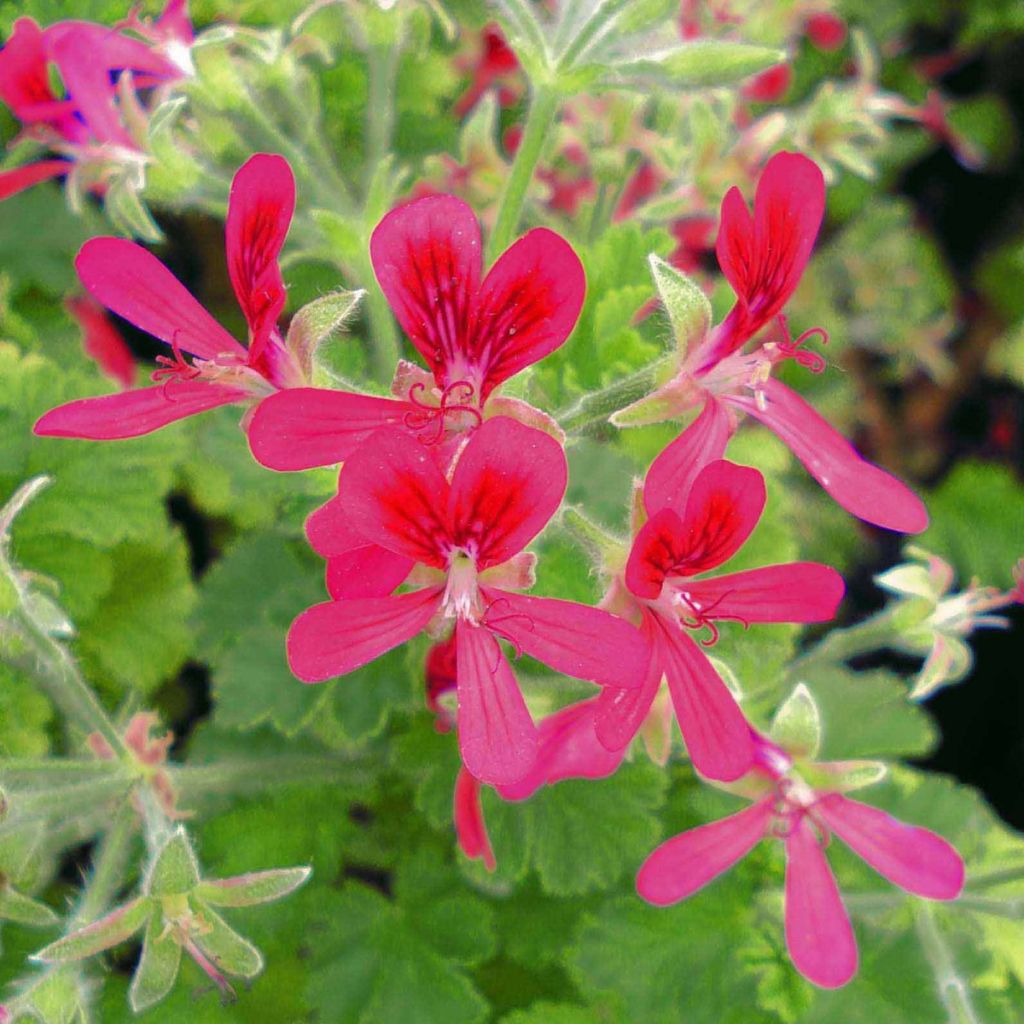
<point>818,932</point>
<point>473,334</point>
<point>763,257</point>
<point>494,63</point>
<point>465,539</point>
<point>130,281</point>
<point>700,514</point>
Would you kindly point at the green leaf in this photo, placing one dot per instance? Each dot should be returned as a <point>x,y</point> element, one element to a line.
<point>116,927</point>
<point>553,1013</point>
<point>702,63</point>
<point>22,909</point>
<point>687,306</point>
<point>25,716</point>
<point>175,871</point>
<point>256,887</point>
<point>158,967</point>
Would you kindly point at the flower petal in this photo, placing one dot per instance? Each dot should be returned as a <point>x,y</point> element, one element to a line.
<point>716,733</point>
<point>392,493</point>
<point>470,827</point>
<point>672,474</point>
<point>260,211</point>
<point>497,736</point>
<point>101,340</point>
<point>795,592</point>
<point>328,530</point>
<point>426,255</point>
<point>529,303</point>
<point>135,412</point>
<point>688,862</point>
<point>569,749</point>
<point>862,488</point>
<point>20,178</point>
<point>24,78</point>
<point>299,428</point>
<point>507,484</point>
<point>913,858</point>
<point>818,932</point>
<point>583,642</point>
<point>366,571</point>
<point>336,637</point>
<point>132,282</point>
<point>620,713</point>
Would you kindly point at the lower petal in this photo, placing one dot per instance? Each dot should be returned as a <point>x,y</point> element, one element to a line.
<point>818,931</point>
<point>716,733</point>
<point>366,571</point>
<point>913,858</point>
<point>583,642</point>
<point>687,862</point>
<point>20,178</point>
<point>337,637</point>
<point>299,428</point>
<point>497,736</point>
<point>862,488</point>
<point>132,413</point>
<point>470,827</point>
<point>620,713</point>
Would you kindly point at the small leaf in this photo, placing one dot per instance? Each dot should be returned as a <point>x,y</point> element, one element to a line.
<point>257,887</point>
<point>116,927</point>
<point>175,871</point>
<point>687,306</point>
<point>22,909</point>
<point>230,953</point>
<point>797,724</point>
<point>158,967</point>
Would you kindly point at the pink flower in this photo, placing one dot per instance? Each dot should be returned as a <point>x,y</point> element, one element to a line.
<point>472,334</point>
<point>818,932</point>
<point>101,340</point>
<point>769,86</point>
<point>763,257</point>
<point>827,31</point>
<point>493,64</point>
<point>441,678</point>
<point>130,281</point>
<point>702,509</point>
<point>465,537</point>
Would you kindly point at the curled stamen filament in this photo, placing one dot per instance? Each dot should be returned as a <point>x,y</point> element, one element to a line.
<point>791,349</point>
<point>461,391</point>
<point>701,617</point>
<point>494,624</point>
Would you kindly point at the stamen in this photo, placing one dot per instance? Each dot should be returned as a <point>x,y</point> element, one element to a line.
<point>790,349</point>
<point>494,624</point>
<point>701,617</point>
<point>451,402</point>
<point>176,368</point>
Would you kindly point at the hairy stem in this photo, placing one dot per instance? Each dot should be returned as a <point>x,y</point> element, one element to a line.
<point>597,406</point>
<point>382,68</point>
<point>838,646</point>
<point>952,988</point>
<point>109,868</point>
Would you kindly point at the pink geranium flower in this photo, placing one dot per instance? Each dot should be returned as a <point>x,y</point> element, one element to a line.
<point>493,64</point>
<point>473,334</point>
<point>702,509</point>
<point>818,932</point>
<point>101,340</point>
<point>465,537</point>
<point>763,257</point>
<point>130,281</point>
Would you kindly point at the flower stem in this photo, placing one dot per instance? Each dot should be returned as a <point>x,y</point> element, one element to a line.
<point>952,988</point>
<point>109,868</point>
<point>382,68</point>
<point>840,645</point>
<point>543,106</point>
<point>597,406</point>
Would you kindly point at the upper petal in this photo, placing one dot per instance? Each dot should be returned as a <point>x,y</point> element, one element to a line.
<point>687,862</point>
<point>913,858</point>
<point>335,637</point>
<point>818,932</point>
<point>133,283</point>
<point>672,474</point>
<point>497,736</point>
<point>795,592</point>
<point>580,641</point>
<point>426,255</point>
<point>508,482</point>
<point>529,303</point>
<point>569,749</point>
<point>862,488</point>
<point>392,493</point>
<point>717,735</point>
<point>299,428</point>
<point>260,211</point>
<point>135,412</point>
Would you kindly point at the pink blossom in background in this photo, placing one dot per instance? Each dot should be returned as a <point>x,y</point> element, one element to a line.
<point>493,65</point>
<point>462,539</point>
<point>473,335</point>
<point>763,257</point>
<point>441,678</point>
<point>769,86</point>
<point>128,280</point>
<point>101,340</point>
<point>827,31</point>
<point>702,509</point>
<point>818,932</point>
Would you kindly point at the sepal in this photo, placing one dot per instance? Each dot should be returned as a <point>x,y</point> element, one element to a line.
<point>687,306</point>
<point>316,322</point>
<point>796,726</point>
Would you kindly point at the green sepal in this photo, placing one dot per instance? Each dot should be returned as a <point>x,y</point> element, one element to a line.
<point>158,967</point>
<point>796,726</point>
<point>226,949</point>
<point>118,926</point>
<point>702,63</point>
<point>687,306</point>
<point>175,871</point>
<point>21,909</point>
<point>317,321</point>
<point>255,887</point>
<point>843,776</point>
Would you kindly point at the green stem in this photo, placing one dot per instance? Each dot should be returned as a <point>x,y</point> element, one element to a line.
<point>382,68</point>
<point>600,24</point>
<point>383,331</point>
<point>543,106</point>
<point>840,645</point>
<point>952,988</point>
<point>597,406</point>
<point>109,868</point>
<point>1000,876</point>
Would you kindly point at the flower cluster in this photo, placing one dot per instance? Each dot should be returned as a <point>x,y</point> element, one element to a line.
<point>445,484</point>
